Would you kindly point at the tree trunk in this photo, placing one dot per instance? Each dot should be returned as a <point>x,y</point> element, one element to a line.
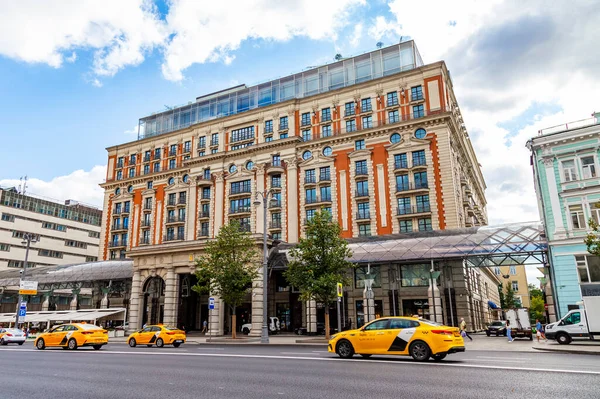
<point>327,321</point>
<point>233,327</point>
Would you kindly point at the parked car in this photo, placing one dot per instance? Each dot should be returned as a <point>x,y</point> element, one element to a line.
<point>583,323</point>
<point>273,326</point>
<point>497,328</point>
<point>12,336</point>
<point>520,326</point>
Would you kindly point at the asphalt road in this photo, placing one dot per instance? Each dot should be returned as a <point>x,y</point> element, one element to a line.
<point>247,372</point>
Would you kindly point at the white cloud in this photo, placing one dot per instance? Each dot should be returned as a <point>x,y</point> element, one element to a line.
<point>72,58</point>
<point>80,185</point>
<point>132,132</point>
<point>96,83</point>
<point>356,35</point>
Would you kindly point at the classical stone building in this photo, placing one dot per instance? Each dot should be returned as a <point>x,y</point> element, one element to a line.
<point>378,140</point>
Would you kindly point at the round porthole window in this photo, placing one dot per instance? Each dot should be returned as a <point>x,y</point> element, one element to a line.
<point>130,189</point>
<point>327,151</point>
<point>395,138</point>
<point>232,169</point>
<point>186,178</point>
<point>420,133</point>
<point>117,191</point>
<point>306,155</point>
<point>249,165</point>
<point>171,181</point>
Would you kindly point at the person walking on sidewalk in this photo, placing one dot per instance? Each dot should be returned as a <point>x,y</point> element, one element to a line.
<point>204,327</point>
<point>463,329</point>
<point>509,331</point>
<point>539,330</point>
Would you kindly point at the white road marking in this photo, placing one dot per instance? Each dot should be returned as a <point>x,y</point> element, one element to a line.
<point>498,360</point>
<point>323,359</point>
<point>495,358</point>
<point>300,353</point>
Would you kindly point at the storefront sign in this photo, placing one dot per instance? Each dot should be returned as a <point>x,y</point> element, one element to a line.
<point>28,288</point>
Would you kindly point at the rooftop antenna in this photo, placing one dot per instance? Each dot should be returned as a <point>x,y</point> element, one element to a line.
<point>401,39</point>
<point>379,44</point>
<point>23,185</point>
<point>168,108</point>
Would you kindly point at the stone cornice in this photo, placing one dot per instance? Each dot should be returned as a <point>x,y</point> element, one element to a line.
<point>143,179</point>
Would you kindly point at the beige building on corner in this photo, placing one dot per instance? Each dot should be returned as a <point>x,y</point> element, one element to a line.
<point>516,276</point>
<point>378,140</point>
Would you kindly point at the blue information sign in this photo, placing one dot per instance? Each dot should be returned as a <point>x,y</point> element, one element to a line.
<point>211,303</point>
<point>22,312</point>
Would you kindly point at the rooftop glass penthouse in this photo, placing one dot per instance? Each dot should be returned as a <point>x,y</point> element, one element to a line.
<point>346,72</point>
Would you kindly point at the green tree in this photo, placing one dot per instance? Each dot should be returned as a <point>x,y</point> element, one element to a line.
<point>509,298</point>
<point>228,266</point>
<point>536,309</point>
<point>592,239</point>
<point>502,296</point>
<point>319,262</point>
<point>534,291</point>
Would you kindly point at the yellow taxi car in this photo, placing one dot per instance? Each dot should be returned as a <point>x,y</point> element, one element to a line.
<point>72,336</point>
<point>412,336</point>
<point>158,335</point>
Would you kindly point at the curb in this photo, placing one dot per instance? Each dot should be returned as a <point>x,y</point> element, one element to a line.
<point>570,351</point>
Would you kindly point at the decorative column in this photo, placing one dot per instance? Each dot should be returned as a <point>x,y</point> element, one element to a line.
<point>219,196</point>
<point>257,304</point>
<point>311,316</point>
<point>134,302</point>
<point>170,317</point>
<point>215,319</point>
<point>292,199</point>
<point>435,301</point>
<point>73,305</point>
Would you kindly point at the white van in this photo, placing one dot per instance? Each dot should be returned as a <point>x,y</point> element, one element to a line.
<point>583,323</point>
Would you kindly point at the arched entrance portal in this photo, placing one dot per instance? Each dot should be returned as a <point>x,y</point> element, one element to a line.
<point>154,301</point>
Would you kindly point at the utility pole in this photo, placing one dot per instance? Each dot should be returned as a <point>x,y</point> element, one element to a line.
<point>28,238</point>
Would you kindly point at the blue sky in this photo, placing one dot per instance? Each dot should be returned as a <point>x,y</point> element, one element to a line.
<point>75,78</point>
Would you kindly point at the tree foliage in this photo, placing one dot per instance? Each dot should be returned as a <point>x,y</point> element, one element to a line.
<point>510,301</point>
<point>228,266</point>
<point>592,239</point>
<point>536,309</point>
<point>319,262</point>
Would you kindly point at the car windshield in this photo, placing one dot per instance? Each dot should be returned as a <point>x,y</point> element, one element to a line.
<point>431,323</point>
<point>172,328</point>
<point>497,323</point>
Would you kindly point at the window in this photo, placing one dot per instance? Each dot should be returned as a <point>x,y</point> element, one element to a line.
<point>50,254</point>
<point>363,210</point>
<point>53,226</point>
<point>416,93</point>
<point>173,150</point>
<point>588,268</point>
<point>497,271</point>
<point>130,189</point>
<point>420,133</point>
<point>149,185</point>
<point>361,168</point>
<point>569,172</point>
<point>326,131</point>
<point>325,173</point>
<point>418,111</point>
<point>349,109</point>
<point>276,160</point>
<point>243,134</point>
<point>515,285</point>
<point>240,205</point>
<point>126,206</point>
<point>131,172</point>
<point>420,180</point>
<point>156,167</point>
<point>350,125</point>
<point>310,213</point>
<point>306,155</point>
<point>120,162</point>
<point>400,161</point>
<point>325,193</point>
<point>214,150</point>
<point>8,218</point>
<point>395,138</point>
<point>202,142</point>
<point>327,151</point>
<point>422,202</point>
<point>5,247</point>
<point>512,270</point>
<point>394,116</point>
<point>415,275</point>
<point>214,139</point>
<point>119,174</point>
<point>132,159</point>
<point>367,122</point>
<point>204,229</point>
<point>392,99</point>
<point>232,168</point>
<point>305,120</point>
<point>249,165</point>
<point>157,153</point>
<point>362,188</point>
<point>418,158</point>
<point>574,318</point>
<point>362,273</point>
<point>325,114</point>
<point>283,136</point>
<point>577,216</point>
<point>310,176</point>
<point>206,193</point>
<point>402,183</point>
<point>365,105</point>
<point>425,224</point>
<point>269,126</point>
<point>146,169</point>
<point>359,145</point>
<point>268,139</point>
<point>75,244</point>
<point>588,167</point>
<point>406,226</point>
<point>187,146</point>
<point>306,135</point>
<point>283,123</point>
<point>172,163</point>
<point>117,191</point>
<point>244,186</point>
<point>276,181</point>
<point>171,181</point>
<point>147,155</point>
<point>311,195</point>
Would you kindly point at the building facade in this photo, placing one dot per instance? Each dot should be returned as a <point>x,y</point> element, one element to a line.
<point>68,233</point>
<point>567,182</point>
<point>377,140</point>
<point>516,277</point>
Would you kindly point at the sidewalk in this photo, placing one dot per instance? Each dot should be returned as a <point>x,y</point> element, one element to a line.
<point>576,347</point>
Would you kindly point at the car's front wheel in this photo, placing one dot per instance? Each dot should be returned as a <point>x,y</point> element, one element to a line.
<point>21,343</point>
<point>419,351</point>
<point>72,344</point>
<point>40,344</point>
<point>3,342</point>
<point>160,343</point>
<point>563,339</point>
<point>132,343</point>
<point>488,333</point>
<point>439,357</point>
<point>345,349</point>
<point>246,331</point>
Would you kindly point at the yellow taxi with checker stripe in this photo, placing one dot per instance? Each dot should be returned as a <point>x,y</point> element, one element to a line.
<point>72,336</point>
<point>158,335</point>
<point>421,339</point>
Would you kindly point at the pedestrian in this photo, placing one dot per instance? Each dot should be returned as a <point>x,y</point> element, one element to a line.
<point>509,331</point>
<point>539,330</point>
<point>463,329</point>
<point>204,327</point>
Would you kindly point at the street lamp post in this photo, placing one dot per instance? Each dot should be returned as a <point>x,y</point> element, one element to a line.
<point>27,240</point>
<point>264,336</point>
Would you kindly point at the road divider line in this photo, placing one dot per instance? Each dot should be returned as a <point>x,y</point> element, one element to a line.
<point>331,359</point>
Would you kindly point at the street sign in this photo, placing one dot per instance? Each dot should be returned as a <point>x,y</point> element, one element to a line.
<point>23,305</point>
<point>340,291</point>
<point>546,306</point>
<point>211,303</point>
<point>28,288</point>
<point>22,312</point>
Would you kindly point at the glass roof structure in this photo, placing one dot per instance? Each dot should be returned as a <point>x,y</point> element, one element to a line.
<point>503,245</point>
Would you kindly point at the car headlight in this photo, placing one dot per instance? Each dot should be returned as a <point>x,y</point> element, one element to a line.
<point>332,337</point>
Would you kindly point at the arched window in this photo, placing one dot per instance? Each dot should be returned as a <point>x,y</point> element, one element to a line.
<point>117,191</point>
<point>186,178</point>
<point>306,155</point>
<point>420,133</point>
<point>232,168</point>
<point>249,165</point>
<point>395,138</point>
<point>327,151</point>
<point>171,181</point>
<point>130,189</point>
